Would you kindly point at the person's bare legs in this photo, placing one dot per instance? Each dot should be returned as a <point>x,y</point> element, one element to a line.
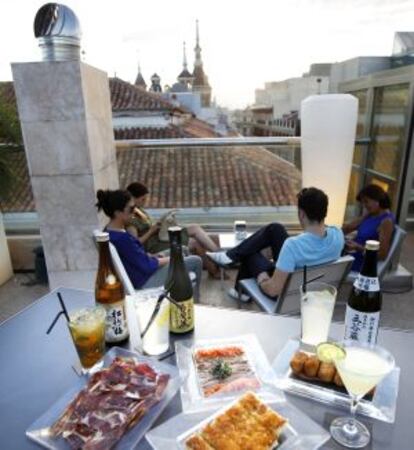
<point>196,232</point>
<point>196,249</point>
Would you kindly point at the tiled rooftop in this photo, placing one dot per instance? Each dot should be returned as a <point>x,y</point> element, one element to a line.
<point>189,128</point>
<point>178,177</point>
<point>128,97</point>
<point>185,178</point>
<point>210,177</point>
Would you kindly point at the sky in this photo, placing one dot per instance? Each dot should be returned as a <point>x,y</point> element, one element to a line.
<point>244,43</point>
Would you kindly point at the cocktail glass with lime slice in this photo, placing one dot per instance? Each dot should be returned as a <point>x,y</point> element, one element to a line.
<point>361,367</point>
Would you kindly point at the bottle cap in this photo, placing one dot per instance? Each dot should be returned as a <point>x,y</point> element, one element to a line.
<point>175,229</point>
<point>101,236</point>
<point>372,245</point>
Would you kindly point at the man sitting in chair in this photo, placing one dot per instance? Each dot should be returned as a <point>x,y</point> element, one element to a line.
<point>318,244</point>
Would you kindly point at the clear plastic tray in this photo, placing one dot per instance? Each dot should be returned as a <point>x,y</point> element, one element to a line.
<point>382,406</point>
<point>300,433</point>
<point>39,430</point>
<point>193,399</point>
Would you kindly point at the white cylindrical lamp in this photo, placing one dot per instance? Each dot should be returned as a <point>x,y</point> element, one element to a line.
<point>328,124</point>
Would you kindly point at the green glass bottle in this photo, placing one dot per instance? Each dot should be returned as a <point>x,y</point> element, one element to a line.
<point>179,286</point>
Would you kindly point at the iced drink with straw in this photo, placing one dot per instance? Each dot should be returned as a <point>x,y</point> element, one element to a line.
<point>316,306</point>
<point>87,327</point>
<point>156,329</point>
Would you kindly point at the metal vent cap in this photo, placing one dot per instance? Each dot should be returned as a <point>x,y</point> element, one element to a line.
<point>58,31</point>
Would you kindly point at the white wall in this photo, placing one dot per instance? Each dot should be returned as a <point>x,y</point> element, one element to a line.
<point>286,96</point>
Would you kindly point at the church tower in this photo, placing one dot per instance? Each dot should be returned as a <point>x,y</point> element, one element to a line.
<point>185,76</point>
<point>200,81</point>
<point>139,81</point>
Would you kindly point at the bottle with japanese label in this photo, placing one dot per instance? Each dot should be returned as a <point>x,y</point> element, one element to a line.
<point>109,293</point>
<point>178,284</point>
<point>364,305</point>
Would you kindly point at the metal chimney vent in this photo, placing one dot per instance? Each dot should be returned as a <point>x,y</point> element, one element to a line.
<point>58,31</point>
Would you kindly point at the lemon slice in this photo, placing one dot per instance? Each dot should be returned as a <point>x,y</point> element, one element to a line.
<point>328,352</point>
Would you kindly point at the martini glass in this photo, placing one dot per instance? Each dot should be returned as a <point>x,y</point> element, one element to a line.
<point>362,368</point>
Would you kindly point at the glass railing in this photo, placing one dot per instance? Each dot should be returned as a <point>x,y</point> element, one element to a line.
<point>216,181</point>
<point>212,181</point>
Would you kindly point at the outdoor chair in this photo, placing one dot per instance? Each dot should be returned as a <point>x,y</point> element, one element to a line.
<point>389,265</point>
<point>288,302</point>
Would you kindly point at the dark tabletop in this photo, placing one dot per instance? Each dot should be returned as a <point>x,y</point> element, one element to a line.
<point>36,369</point>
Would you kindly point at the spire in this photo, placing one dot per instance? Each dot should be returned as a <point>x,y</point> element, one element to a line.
<point>185,76</point>
<point>197,49</point>
<point>184,57</point>
<point>139,80</point>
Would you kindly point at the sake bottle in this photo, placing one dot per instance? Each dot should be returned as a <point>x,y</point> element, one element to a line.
<point>364,305</point>
<point>109,293</point>
<point>179,287</point>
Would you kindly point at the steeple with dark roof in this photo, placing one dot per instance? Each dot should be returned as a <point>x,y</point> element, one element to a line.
<point>200,81</point>
<point>185,76</point>
<point>139,81</point>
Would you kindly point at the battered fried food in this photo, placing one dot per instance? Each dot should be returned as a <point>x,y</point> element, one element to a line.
<point>306,365</point>
<point>311,366</point>
<point>297,362</point>
<point>326,372</point>
<point>247,425</point>
<point>197,443</point>
<point>337,380</point>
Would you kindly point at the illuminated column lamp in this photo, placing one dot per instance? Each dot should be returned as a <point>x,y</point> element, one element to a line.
<point>328,124</point>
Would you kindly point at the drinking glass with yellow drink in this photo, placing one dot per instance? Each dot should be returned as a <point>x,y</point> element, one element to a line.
<point>361,367</point>
<point>87,327</point>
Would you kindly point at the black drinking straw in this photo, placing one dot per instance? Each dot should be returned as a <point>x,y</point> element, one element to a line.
<point>157,310</point>
<point>62,304</point>
<point>64,311</point>
<point>304,279</point>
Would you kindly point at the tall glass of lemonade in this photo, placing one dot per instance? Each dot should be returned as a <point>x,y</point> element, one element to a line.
<point>316,307</point>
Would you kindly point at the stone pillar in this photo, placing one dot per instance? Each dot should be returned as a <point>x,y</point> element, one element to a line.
<point>65,113</point>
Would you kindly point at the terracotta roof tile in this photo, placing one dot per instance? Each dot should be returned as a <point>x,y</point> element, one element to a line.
<point>20,198</point>
<point>190,128</point>
<point>148,133</point>
<point>188,178</point>
<point>208,177</point>
<point>179,177</point>
<point>127,97</point>
<point>7,92</point>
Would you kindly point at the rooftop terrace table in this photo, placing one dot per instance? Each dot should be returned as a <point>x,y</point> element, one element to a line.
<point>36,369</point>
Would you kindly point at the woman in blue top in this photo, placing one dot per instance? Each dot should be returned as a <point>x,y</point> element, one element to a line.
<point>377,223</point>
<point>145,270</point>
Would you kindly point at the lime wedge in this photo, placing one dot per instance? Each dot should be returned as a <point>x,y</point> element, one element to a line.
<point>328,352</point>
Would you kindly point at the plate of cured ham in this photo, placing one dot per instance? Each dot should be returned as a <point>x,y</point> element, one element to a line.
<point>113,408</point>
<point>215,370</point>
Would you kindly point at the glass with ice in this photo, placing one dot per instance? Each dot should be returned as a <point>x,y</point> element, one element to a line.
<point>87,327</point>
<point>156,338</point>
<point>316,308</point>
